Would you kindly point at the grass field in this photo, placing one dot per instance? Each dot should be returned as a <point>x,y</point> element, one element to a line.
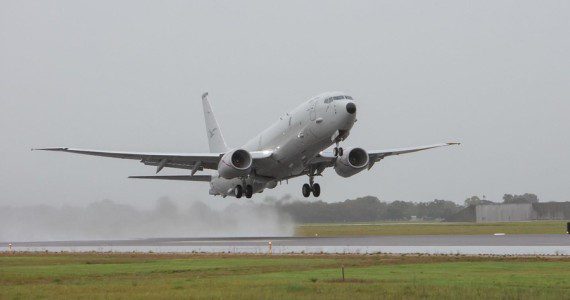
<point>435,228</point>
<point>94,275</point>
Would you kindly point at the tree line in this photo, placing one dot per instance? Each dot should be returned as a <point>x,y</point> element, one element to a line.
<point>371,209</point>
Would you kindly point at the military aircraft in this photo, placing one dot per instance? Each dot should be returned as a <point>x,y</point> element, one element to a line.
<point>293,146</point>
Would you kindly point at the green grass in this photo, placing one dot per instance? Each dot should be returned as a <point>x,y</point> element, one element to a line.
<point>435,228</point>
<point>94,275</point>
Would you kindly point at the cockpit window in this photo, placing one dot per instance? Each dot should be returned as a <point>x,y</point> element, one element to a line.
<point>331,99</point>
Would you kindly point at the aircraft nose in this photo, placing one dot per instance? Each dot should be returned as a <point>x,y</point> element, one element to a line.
<point>350,108</point>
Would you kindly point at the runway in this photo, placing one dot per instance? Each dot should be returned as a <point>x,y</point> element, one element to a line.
<point>532,244</point>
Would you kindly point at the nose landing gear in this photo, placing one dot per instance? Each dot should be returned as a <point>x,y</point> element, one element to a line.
<point>338,151</point>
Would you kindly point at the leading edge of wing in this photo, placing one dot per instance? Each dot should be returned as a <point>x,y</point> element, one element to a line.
<point>379,154</point>
<point>325,156</point>
<point>213,157</point>
<point>205,178</point>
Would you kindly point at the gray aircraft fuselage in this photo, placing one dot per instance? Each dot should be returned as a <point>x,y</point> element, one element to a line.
<point>295,139</point>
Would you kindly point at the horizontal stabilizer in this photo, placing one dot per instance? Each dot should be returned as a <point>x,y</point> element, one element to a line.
<point>205,178</point>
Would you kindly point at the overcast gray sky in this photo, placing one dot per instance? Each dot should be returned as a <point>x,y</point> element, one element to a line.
<point>128,75</point>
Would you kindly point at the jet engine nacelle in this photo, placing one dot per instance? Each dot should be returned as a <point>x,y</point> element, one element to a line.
<point>352,161</point>
<point>235,163</point>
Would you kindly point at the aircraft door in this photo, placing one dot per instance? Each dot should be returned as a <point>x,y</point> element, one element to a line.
<point>316,114</point>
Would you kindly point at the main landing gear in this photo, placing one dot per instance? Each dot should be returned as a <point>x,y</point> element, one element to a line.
<point>311,187</point>
<point>315,188</point>
<point>240,191</point>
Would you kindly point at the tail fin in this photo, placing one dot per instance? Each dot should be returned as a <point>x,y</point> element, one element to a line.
<point>215,137</point>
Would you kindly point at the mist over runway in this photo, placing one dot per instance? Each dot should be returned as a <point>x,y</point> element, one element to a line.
<point>532,244</point>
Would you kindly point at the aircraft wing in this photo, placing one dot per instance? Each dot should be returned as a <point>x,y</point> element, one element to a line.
<point>327,159</point>
<point>193,161</point>
<point>206,178</point>
<point>377,155</point>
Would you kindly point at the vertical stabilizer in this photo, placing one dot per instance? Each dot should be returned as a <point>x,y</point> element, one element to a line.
<point>215,137</point>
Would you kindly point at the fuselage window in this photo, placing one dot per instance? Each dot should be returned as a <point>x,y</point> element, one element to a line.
<point>331,99</point>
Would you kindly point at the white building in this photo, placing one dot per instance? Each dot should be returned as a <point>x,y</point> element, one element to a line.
<point>505,212</point>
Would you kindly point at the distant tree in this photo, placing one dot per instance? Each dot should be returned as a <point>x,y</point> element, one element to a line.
<point>437,209</point>
<point>364,209</point>
<point>508,198</point>
<point>526,198</point>
<point>473,200</point>
<point>400,210</point>
<point>367,208</point>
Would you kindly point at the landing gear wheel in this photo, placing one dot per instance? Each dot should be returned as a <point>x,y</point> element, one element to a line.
<point>238,191</point>
<point>340,151</point>
<point>306,190</point>
<point>248,191</point>
<point>316,190</point>
<point>335,151</point>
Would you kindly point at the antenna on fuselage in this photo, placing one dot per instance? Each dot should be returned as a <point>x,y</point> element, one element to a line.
<point>215,138</point>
